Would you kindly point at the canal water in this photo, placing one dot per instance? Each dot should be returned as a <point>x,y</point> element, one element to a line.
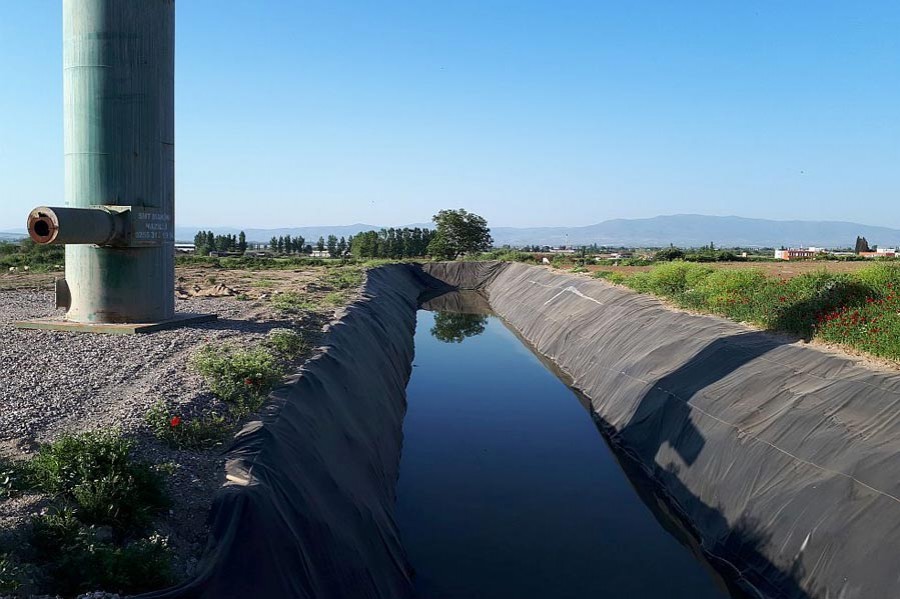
<point>507,489</point>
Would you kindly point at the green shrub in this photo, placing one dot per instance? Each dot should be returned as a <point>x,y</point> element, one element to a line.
<point>240,377</point>
<point>12,575</point>
<point>286,344</point>
<point>668,255</point>
<point>95,471</point>
<point>669,279</point>
<point>200,432</point>
<point>75,559</point>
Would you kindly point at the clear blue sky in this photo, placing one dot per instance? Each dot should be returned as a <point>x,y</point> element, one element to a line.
<point>529,113</point>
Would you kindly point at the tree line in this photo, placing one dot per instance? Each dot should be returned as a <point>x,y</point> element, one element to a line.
<point>392,243</point>
<point>456,232</point>
<point>207,241</point>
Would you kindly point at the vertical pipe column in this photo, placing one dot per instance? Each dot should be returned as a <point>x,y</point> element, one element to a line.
<point>119,119</point>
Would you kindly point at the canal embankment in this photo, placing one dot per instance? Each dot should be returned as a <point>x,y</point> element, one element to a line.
<point>778,457</point>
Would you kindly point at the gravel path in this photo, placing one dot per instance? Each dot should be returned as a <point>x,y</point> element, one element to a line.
<point>53,382</point>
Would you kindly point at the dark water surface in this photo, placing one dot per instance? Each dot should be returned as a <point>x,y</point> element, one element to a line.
<point>507,488</point>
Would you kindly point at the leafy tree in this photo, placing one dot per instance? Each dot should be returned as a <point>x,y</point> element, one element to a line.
<point>320,245</point>
<point>273,244</point>
<point>200,246</point>
<point>342,246</point>
<point>242,242</point>
<point>459,232</point>
<point>332,245</point>
<point>668,254</point>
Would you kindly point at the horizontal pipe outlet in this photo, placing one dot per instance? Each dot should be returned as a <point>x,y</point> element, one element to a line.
<point>96,226</point>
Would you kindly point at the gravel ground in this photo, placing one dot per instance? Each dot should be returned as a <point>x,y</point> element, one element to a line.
<point>67,382</point>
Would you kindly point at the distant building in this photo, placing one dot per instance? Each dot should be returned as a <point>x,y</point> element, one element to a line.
<point>798,253</point>
<point>880,253</point>
<point>320,254</point>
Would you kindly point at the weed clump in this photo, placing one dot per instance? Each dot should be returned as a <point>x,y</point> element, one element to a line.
<point>286,344</point>
<point>94,471</point>
<point>75,558</point>
<point>292,302</point>
<point>200,432</point>
<point>95,534</point>
<point>242,378</point>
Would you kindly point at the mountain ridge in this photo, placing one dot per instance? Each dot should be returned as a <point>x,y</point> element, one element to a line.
<point>684,230</point>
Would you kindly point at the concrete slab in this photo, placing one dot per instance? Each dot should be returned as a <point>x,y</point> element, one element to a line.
<point>181,319</point>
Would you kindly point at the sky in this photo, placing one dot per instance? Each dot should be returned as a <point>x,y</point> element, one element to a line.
<point>549,113</point>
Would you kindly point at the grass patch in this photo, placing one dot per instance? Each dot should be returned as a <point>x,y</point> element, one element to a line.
<point>335,298</point>
<point>286,344</point>
<point>859,310</point>
<point>263,283</point>
<point>94,472</point>
<point>344,278</point>
<point>95,534</point>
<point>76,558</point>
<point>242,378</point>
<point>201,432</point>
<point>292,302</point>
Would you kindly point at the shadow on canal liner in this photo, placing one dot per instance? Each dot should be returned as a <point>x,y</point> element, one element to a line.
<point>663,416</point>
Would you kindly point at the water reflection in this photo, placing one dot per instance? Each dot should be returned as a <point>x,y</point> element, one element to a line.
<point>453,327</point>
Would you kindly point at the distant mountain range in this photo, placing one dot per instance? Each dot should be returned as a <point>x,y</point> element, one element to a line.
<point>692,230</point>
<point>684,230</point>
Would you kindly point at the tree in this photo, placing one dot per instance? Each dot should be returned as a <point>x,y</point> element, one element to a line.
<point>242,242</point>
<point>332,245</point>
<point>200,247</point>
<point>342,247</point>
<point>273,244</point>
<point>320,245</point>
<point>668,254</point>
<point>459,232</point>
<point>862,245</point>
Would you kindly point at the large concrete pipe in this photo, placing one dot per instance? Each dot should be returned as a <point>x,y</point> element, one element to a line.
<point>119,103</point>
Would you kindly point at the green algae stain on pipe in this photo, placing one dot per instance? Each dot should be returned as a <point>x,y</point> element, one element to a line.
<point>119,105</point>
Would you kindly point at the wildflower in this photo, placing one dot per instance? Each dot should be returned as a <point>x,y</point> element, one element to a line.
<point>248,381</point>
<point>175,421</point>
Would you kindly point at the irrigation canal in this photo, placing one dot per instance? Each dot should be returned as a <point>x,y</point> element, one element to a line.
<point>508,489</point>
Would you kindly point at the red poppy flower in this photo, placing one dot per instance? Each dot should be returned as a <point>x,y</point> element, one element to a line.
<point>175,421</point>
<point>248,381</point>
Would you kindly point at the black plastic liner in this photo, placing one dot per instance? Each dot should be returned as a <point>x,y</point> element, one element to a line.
<point>779,457</point>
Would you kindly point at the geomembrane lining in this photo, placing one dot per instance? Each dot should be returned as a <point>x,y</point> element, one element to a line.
<point>779,457</point>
